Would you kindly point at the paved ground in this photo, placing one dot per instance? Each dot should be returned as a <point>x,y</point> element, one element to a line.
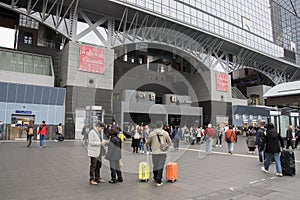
<point>60,171</point>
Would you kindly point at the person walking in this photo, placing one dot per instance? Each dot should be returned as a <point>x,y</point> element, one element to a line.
<point>251,139</point>
<point>259,139</point>
<point>95,152</point>
<point>43,132</point>
<point>59,132</point>
<point>114,156</point>
<point>160,141</point>
<point>176,138</point>
<point>30,133</point>
<point>272,149</point>
<point>289,137</point>
<point>220,131</point>
<point>230,138</point>
<point>210,134</point>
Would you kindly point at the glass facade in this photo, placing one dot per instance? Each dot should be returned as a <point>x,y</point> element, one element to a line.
<point>25,63</point>
<point>45,103</point>
<point>243,21</point>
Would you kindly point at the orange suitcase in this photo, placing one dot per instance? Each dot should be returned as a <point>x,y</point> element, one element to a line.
<point>172,172</point>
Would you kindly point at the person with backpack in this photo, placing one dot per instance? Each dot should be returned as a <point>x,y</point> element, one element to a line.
<point>272,149</point>
<point>160,141</point>
<point>43,132</point>
<point>210,135</point>
<point>230,138</point>
<point>297,136</point>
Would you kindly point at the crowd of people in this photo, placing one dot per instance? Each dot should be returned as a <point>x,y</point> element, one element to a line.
<point>106,142</point>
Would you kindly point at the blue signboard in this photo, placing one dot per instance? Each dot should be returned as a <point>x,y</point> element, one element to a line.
<point>24,112</point>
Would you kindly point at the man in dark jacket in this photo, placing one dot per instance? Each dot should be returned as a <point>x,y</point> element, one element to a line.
<point>289,137</point>
<point>259,139</point>
<point>271,144</point>
<point>114,155</point>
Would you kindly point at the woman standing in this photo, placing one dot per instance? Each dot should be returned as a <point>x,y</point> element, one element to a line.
<point>30,133</point>
<point>136,137</point>
<point>114,156</point>
<point>176,138</point>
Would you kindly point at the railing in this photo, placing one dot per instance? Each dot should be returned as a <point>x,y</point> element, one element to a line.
<point>21,62</point>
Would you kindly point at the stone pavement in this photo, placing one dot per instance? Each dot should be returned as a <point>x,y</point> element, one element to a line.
<point>60,171</point>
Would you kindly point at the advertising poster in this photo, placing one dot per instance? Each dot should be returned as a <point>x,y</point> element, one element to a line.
<point>91,59</point>
<point>222,82</point>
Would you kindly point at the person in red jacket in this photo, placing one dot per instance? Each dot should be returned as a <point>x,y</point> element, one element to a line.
<point>230,138</point>
<point>43,132</point>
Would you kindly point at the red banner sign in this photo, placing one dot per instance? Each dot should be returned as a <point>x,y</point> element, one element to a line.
<point>91,59</point>
<point>222,82</point>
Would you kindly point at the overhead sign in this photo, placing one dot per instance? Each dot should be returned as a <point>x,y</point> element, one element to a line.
<point>25,112</point>
<point>91,59</point>
<point>222,82</point>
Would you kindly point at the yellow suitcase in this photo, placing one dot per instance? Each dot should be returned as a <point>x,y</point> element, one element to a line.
<point>144,171</point>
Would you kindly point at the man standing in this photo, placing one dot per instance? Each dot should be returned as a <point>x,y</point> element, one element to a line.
<point>159,138</point>
<point>289,137</point>
<point>272,149</point>
<point>95,140</point>
<point>259,139</point>
<point>43,132</point>
<point>210,134</point>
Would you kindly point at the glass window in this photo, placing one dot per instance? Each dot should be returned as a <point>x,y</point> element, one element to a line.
<point>29,94</point>
<point>8,64</point>
<point>12,90</point>
<point>47,66</point>
<point>38,65</point>
<point>21,89</point>
<point>38,92</point>
<point>3,92</point>
<point>19,67</point>
<point>46,95</point>
<point>28,64</point>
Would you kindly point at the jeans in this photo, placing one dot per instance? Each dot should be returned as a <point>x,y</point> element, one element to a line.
<point>142,145</point>
<point>209,145</point>
<point>230,146</point>
<point>277,161</point>
<point>158,166</point>
<point>95,168</point>
<point>260,154</point>
<point>115,170</point>
<point>42,140</point>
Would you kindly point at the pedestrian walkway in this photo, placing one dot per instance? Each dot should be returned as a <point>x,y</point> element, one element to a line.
<point>60,171</point>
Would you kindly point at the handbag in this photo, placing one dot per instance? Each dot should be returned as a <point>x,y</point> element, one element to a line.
<point>164,146</point>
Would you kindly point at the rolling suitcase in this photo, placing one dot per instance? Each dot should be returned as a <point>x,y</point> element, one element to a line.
<point>287,159</point>
<point>144,170</point>
<point>172,172</point>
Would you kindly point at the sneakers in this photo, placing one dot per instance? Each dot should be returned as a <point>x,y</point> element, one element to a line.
<point>120,180</point>
<point>279,174</point>
<point>112,181</point>
<point>264,170</point>
<point>100,180</point>
<point>158,184</point>
<point>92,182</point>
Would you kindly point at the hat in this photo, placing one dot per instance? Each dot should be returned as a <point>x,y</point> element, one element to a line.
<point>209,126</point>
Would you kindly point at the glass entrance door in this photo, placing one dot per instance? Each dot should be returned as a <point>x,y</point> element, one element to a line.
<point>18,127</point>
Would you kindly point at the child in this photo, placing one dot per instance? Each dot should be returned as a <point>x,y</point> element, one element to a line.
<point>114,155</point>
